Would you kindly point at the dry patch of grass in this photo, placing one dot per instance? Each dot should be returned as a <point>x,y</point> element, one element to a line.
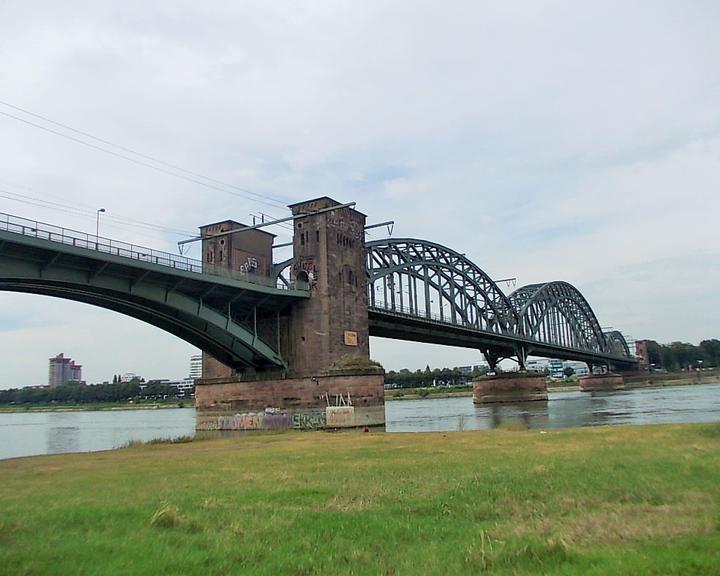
<point>622,524</point>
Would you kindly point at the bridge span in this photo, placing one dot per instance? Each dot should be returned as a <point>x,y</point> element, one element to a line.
<point>302,315</point>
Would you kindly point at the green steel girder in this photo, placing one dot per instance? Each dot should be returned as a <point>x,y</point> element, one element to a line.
<point>149,295</point>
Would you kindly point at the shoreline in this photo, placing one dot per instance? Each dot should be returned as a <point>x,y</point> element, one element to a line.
<point>634,383</point>
<point>24,409</point>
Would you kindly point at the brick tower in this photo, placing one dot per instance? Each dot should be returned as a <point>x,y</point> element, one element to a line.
<point>242,254</point>
<point>329,253</point>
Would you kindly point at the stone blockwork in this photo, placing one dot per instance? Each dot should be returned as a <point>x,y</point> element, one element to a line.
<point>602,382</point>
<point>329,253</point>
<point>342,400</point>
<point>519,387</point>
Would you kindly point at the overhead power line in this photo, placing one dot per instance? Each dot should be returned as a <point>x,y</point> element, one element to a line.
<point>184,174</point>
<point>89,213</point>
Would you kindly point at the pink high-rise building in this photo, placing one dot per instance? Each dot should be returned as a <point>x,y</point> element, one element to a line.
<point>62,370</point>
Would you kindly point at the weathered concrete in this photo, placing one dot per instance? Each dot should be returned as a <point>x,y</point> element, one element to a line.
<point>601,382</point>
<point>512,387</point>
<point>344,399</point>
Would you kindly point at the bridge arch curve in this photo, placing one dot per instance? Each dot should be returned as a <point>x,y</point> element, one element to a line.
<point>179,315</point>
<point>557,313</point>
<point>451,286</point>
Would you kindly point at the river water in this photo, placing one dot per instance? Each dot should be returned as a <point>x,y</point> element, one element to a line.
<point>27,433</point>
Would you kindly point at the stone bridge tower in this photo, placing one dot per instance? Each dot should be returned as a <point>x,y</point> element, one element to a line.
<point>329,253</point>
<point>314,392</point>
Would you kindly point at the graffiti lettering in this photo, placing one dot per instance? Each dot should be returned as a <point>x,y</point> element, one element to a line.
<point>250,264</point>
<point>309,421</point>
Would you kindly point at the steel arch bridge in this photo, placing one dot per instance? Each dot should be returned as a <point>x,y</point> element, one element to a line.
<point>417,290</point>
<point>424,291</point>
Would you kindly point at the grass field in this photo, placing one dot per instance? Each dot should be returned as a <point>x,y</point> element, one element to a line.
<point>599,501</point>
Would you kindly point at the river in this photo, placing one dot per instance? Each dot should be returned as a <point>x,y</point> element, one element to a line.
<point>33,433</point>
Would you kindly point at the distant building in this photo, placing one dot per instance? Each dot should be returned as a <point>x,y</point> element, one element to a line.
<point>556,368</point>
<point>579,368</point>
<point>537,365</point>
<point>62,370</point>
<point>185,388</point>
<point>472,368</point>
<point>195,366</point>
<point>642,355</point>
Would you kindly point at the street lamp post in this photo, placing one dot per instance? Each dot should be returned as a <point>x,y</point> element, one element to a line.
<point>97,226</point>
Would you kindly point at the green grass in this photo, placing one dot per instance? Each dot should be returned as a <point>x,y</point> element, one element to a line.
<point>620,500</point>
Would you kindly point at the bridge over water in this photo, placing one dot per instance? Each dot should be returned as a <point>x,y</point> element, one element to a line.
<point>409,289</point>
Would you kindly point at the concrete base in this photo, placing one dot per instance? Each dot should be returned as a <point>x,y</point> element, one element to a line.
<point>334,400</point>
<point>601,382</point>
<point>509,387</point>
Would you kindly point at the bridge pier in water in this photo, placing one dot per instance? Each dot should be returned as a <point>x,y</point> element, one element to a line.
<point>509,387</point>
<point>602,382</point>
<point>328,380</point>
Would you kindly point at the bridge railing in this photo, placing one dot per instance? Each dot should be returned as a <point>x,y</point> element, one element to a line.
<point>423,315</point>
<point>69,237</point>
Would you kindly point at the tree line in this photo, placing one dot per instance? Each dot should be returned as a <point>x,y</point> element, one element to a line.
<point>78,393</point>
<point>436,377</point>
<point>680,355</point>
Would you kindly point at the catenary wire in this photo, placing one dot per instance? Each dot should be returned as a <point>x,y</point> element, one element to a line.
<point>140,154</point>
<point>141,163</point>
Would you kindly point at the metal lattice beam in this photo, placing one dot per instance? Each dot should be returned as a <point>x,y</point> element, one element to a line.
<point>415,279</point>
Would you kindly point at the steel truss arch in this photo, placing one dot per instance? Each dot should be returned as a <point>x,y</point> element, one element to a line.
<point>451,285</point>
<point>616,343</point>
<point>557,313</point>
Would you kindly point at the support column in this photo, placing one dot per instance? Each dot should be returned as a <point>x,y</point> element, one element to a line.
<point>602,382</point>
<point>522,353</point>
<point>492,357</point>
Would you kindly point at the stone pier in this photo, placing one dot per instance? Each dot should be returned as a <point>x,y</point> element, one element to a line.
<point>332,400</point>
<point>509,387</point>
<point>601,382</point>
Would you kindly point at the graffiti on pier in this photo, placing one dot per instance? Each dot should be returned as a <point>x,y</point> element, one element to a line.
<point>309,421</point>
<point>271,419</point>
<point>337,399</point>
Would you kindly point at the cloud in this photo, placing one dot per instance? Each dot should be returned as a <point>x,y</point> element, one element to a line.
<point>544,139</point>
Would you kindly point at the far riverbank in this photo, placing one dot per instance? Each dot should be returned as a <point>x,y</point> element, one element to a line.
<point>19,408</point>
<point>631,382</point>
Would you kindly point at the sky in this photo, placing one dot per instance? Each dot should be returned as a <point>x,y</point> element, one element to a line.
<point>546,140</point>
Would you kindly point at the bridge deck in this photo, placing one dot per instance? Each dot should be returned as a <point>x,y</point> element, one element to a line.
<point>229,317</point>
<point>387,323</point>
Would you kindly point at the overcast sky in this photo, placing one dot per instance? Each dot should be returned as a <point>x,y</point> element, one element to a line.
<point>546,140</point>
